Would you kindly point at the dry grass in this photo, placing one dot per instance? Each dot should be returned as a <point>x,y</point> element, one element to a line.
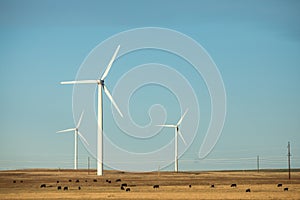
<point>263,185</point>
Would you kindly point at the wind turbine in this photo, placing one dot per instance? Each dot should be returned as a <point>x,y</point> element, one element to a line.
<point>101,86</point>
<point>76,131</point>
<point>177,132</point>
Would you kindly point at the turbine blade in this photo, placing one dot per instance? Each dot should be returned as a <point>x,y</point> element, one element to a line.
<point>80,119</point>
<point>110,63</point>
<point>180,120</point>
<point>181,136</point>
<point>167,125</point>
<point>112,100</point>
<point>79,82</point>
<point>81,136</point>
<point>66,130</point>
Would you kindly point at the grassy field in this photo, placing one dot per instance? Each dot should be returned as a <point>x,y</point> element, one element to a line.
<point>263,185</point>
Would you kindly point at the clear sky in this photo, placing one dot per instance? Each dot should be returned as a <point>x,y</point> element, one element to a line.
<point>255,45</point>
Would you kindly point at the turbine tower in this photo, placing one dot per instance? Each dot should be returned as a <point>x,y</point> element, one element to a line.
<point>177,132</point>
<point>101,86</point>
<point>76,133</point>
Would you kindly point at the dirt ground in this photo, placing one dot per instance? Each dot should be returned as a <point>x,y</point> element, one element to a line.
<point>26,184</point>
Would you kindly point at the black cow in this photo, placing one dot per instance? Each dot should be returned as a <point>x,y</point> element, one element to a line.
<point>248,190</point>
<point>124,185</point>
<point>58,187</point>
<point>21,181</point>
<point>85,180</point>
<point>66,188</point>
<point>77,181</point>
<point>286,189</point>
<point>118,180</point>
<point>155,186</point>
<point>43,186</point>
<point>95,180</point>
<point>70,180</point>
<point>122,188</point>
<point>127,189</point>
<point>107,180</point>
<point>79,188</point>
<point>190,186</point>
<point>14,181</point>
<point>233,185</point>
<point>279,185</point>
<point>212,186</point>
<point>57,181</point>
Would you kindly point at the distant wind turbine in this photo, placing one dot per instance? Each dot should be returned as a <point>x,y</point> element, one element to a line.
<point>177,132</point>
<point>76,139</point>
<point>101,87</point>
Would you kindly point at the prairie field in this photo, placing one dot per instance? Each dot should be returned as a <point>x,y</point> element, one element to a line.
<point>26,184</point>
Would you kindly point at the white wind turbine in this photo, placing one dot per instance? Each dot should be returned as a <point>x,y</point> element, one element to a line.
<point>101,87</point>
<point>177,132</point>
<point>76,133</point>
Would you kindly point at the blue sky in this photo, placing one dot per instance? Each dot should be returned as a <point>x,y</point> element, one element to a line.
<point>255,45</point>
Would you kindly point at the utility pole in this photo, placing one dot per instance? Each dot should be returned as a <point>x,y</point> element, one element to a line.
<point>88,165</point>
<point>257,163</point>
<point>289,159</point>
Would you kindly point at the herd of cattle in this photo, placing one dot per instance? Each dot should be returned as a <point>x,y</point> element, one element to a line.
<point>125,186</point>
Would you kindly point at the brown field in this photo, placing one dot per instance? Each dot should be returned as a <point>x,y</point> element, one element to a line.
<point>263,185</point>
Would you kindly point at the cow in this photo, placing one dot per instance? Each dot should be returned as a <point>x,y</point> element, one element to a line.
<point>212,186</point>
<point>85,180</point>
<point>77,181</point>
<point>248,190</point>
<point>109,181</point>
<point>233,185</point>
<point>14,181</point>
<point>58,187</point>
<point>79,188</point>
<point>279,185</point>
<point>122,188</point>
<point>155,186</point>
<point>190,186</point>
<point>286,189</point>
<point>57,181</point>
<point>66,188</point>
<point>127,189</point>
<point>43,186</point>
<point>124,185</point>
<point>118,180</point>
<point>70,180</point>
<point>21,181</point>
<point>95,180</point>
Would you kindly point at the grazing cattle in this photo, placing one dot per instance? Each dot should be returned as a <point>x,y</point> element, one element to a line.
<point>57,181</point>
<point>21,181</point>
<point>127,189</point>
<point>279,185</point>
<point>190,186</point>
<point>77,181</point>
<point>95,180</point>
<point>286,189</point>
<point>122,188</point>
<point>118,180</point>
<point>85,180</point>
<point>66,188</point>
<point>109,181</point>
<point>212,186</point>
<point>14,181</point>
<point>248,190</point>
<point>43,186</point>
<point>79,188</point>
<point>124,185</point>
<point>58,187</point>
<point>70,180</point>
<point>155,186</point>
<point>233,185</point>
